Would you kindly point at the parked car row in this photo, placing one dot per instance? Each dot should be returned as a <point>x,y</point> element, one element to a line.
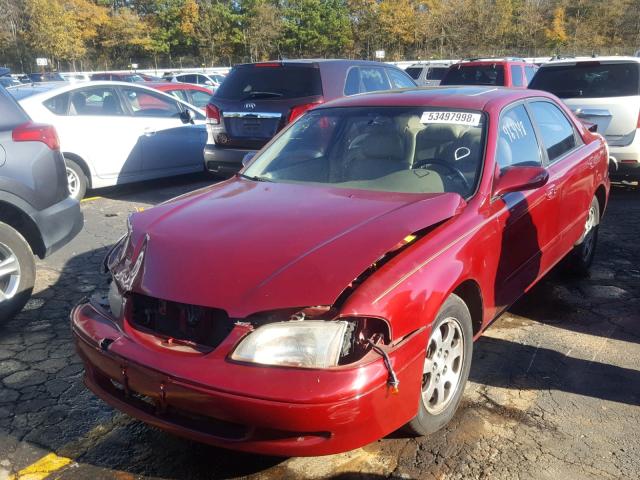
<point>330,292</point>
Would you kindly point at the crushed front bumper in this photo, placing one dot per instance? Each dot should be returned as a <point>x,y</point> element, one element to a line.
<point>261,409</point>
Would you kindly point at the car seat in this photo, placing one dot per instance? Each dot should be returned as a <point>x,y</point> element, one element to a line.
<point>110,105</point>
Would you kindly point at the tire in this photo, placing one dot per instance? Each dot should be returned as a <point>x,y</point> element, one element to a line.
<point>16,277</point>
<point>77,180</point>
<point>453,357</point>
<point>581,257</point>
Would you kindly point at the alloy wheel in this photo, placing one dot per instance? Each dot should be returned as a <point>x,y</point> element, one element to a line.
<point>589,229</point>
<point>9,273</point>
<point>442,366</point>
<point>74,183</point>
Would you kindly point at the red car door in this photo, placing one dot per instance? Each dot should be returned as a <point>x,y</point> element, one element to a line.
<point>526,220</point>
<point>571,168</point>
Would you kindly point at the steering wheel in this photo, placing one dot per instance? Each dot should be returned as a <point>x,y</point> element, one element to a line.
<point>457,173</point>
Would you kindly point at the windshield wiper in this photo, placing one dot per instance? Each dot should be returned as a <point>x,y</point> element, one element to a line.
<point>255,178</point>
<point>261,94</point>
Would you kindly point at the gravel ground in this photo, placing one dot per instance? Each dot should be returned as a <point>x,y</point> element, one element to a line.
<point>554,390</point>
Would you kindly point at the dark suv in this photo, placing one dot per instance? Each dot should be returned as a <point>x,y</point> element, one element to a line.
<point>501,72</point>
<point>37,216</point>
<point>256,100</point>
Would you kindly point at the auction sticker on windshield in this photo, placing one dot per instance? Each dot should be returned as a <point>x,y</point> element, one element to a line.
<point>458,118</point>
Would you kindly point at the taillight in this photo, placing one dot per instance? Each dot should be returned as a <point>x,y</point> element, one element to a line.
<point>37,132</point>
<point>638,124</point>
<point>268,64</point>
<point>300,109</point>
<point>213,114</point>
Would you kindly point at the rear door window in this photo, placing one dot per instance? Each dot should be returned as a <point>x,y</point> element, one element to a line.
<point>436,73</point>
<point>517,143</point>
<point>589,80</point>
<point>400,79</point>
<point>557,133</point>
<point>95,101</point>
<point>516,76</point>
<point>265,82</point>
<point>374,79</point>
<point>150,104</point>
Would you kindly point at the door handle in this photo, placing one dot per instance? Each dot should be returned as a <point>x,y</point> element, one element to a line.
<point>149,132</point>
<point>552,191</point>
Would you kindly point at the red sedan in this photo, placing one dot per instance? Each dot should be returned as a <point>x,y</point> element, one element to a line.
<point>196,95</point>
<point>330,293</point>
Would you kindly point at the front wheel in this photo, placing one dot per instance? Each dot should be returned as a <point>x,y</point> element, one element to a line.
<point>446,367</point>
<point>77,180</point>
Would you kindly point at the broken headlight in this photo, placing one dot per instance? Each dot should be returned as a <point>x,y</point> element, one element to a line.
<point>307,344</point>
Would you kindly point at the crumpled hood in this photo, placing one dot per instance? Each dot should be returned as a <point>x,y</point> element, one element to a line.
<point>248,247</point>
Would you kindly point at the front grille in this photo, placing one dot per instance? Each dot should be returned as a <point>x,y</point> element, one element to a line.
<point>186,419</point>
<point>190,323</point>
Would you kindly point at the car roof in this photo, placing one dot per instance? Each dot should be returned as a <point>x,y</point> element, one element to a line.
<point>25,90</point>
<point>469,96</point>
<point>55,88</point>
<point>312,61</point>
<point>175,86</point>
<point>490,61</point>
<point>574,60</point>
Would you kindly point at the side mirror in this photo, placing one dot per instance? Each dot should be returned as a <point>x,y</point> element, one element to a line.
<point>187,116</point>
<point>518,179</point>
<point>209,82</point>
<point>247,158</point>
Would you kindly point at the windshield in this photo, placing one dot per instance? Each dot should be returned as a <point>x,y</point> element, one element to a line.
<point>475,75</point>
<point>589,80</point>
<point>391,149</point>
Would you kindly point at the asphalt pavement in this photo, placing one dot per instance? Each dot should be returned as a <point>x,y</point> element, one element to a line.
<point>554,388</point>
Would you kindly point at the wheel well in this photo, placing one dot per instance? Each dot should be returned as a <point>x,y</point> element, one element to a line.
<point>20,221</point>
<point>469,292</point>
<point>83,165</point>
<point>601,195</point>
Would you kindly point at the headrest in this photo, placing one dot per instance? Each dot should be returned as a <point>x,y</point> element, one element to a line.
<point>383,145</point>
<point>441,133</point>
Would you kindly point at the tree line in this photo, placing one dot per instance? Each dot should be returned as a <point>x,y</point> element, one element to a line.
<point>108,34</point>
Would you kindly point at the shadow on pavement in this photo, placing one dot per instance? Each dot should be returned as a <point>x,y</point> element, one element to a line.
<point>155,191</point>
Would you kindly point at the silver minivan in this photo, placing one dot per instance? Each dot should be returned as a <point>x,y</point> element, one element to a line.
<point>604,91</point>
<point>428,74</point>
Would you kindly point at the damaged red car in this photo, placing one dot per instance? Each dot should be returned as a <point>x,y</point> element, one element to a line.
<point>331,292</point>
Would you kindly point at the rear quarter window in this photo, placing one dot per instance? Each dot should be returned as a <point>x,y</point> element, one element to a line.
<point>287,81</point>
<point>589,80</point>
<point>414,72</point>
